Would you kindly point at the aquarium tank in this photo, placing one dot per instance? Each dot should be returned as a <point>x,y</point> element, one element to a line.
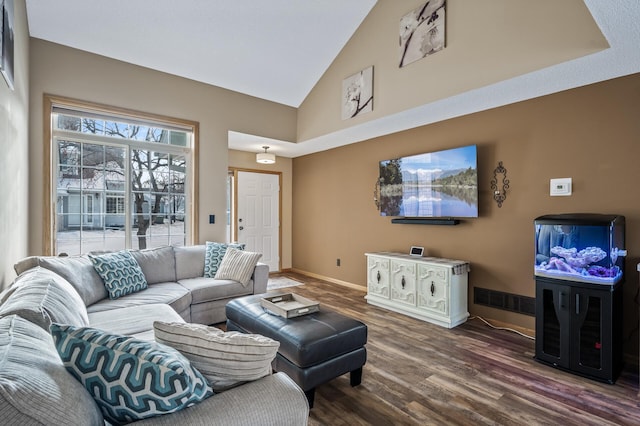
<point>580,247</point>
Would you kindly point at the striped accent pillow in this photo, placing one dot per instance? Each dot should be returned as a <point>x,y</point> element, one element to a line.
<point>237,265</point>
<point>226,359</point>
<point>214,252</point>
<point>129,379</point>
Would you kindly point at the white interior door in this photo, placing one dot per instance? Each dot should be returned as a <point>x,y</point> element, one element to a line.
<point>259,215</point>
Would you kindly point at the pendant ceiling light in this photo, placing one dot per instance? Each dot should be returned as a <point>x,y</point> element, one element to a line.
<point>265,157</point>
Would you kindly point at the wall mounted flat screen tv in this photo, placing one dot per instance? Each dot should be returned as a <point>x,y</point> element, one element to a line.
<point>434,184</point>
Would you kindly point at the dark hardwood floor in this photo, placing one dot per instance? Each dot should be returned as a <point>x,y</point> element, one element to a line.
<point>422,374</point>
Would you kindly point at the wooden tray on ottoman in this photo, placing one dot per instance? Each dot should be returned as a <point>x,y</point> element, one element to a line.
<point>289,305</point>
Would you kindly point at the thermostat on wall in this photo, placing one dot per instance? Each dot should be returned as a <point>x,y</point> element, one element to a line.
<point>416,251</point>
<point>560,187</point>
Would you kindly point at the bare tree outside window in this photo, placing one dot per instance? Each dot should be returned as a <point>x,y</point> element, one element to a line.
<point>92,185</point>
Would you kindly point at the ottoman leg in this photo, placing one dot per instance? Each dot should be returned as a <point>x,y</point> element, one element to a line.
<point>310,394</point>
<point>356,377</point>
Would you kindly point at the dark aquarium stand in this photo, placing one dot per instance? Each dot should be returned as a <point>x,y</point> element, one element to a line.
<point>579,328</point>
<point>578,319</point>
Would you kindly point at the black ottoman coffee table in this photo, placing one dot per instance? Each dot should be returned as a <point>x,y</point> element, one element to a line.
<point>314,348</point>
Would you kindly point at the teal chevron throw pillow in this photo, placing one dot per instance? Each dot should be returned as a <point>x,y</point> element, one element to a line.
<point>129,379</point>
<point>213,256</point>
<point>120,272</point>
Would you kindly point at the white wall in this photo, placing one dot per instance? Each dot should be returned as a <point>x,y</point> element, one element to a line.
<point>14,146</point>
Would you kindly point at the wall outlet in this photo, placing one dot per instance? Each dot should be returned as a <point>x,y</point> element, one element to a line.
<point>338,262</point>
<point>560,187</point>
<point>212,218</point>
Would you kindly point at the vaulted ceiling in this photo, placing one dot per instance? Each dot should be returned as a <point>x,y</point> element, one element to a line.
<point>279,49</point>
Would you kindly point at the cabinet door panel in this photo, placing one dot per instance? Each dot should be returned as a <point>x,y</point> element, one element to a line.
<point>378,276</point>
<point>403,282</point>
<point>588,311</point>
<point>553,323</point>
<point>433,289</point>
<point>592,336</point>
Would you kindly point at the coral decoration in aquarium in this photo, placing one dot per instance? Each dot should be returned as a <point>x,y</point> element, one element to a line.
<point>434,184</point>
<point>580,247</point>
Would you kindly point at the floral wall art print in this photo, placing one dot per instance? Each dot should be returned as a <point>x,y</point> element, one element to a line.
<point>357,93</point>
<point>422,32</point>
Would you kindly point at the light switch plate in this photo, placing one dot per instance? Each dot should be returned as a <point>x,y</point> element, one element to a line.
<point>560,187</point>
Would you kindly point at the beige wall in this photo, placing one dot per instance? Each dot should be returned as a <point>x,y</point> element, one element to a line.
<point>589,134</point>
<point>14,146</point>
<point>63,71</point>
<point>487,42</point>
<point>329,212</point>
<point>247,161</point>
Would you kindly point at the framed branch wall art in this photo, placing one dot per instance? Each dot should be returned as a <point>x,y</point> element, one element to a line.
<point>6,58</point>
<point>357,94</point>
<point>422,32</point>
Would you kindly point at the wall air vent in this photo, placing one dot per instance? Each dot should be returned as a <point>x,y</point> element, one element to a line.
<point>506,301</point>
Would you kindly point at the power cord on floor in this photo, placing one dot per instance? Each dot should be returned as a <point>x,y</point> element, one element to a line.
<point>502,328</point>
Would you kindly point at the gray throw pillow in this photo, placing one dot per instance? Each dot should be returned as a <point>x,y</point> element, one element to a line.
<point>158,264</point>
<point>80,273</point>
<point>43,297</point>
<point>189,261</point>
<point>35,388</point>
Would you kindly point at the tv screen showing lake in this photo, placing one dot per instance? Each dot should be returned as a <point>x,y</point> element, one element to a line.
<point>437,184</point>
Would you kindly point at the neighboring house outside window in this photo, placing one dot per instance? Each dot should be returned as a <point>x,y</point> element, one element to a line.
<point>119,180</point>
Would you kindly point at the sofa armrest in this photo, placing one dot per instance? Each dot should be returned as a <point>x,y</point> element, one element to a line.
<point>260,278</point>
<point>272,400</point>
<point>26,264</point>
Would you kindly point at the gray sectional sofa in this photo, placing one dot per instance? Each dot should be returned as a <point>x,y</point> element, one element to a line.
<point>35,388</point>
<point>175,277</point>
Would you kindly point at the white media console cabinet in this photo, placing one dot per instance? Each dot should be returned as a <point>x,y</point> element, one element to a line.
<point>427,288</point>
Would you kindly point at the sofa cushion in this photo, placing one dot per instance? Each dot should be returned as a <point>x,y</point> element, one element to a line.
<point>272,400</point>
<point>237,265</point>
<point>80,273</point>
<point>213,256</point>
<point>132,319</point>
<point>35,388</point>
<point>207,289</point>
<point>157,264</point>
<point>129,379</point>
<point>172,294</point>
<point>226,359</point>
<point>120,272</point>
<point>43,297</point>
<point>189,261</point>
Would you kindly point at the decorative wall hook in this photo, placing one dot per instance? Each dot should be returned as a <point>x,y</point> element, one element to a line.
<point>376,194</point>
<point>500,188</point>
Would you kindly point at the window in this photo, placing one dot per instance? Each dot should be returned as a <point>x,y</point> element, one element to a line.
<point>118,180</point>
<point>115,204</point>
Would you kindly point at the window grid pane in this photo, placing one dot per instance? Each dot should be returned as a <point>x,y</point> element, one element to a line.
<point>92,187</point>
<point>88,123</point>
